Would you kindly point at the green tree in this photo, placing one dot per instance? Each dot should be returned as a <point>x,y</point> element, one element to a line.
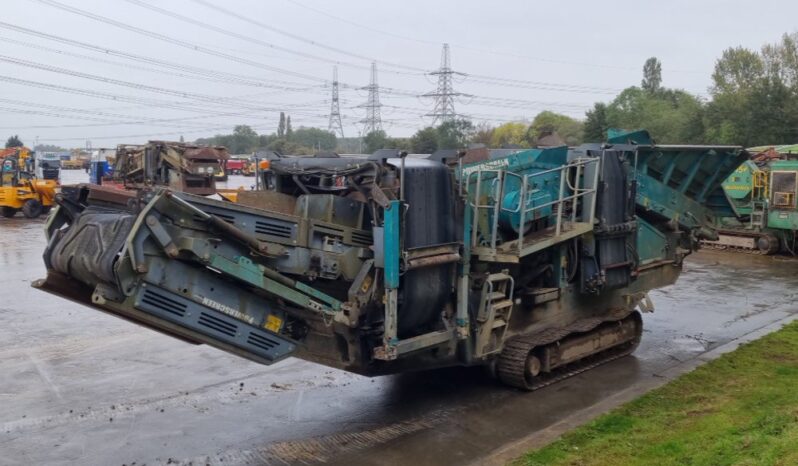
<point>14,141</point>
<point>510,134</point>
<point>244,139</point>
<point>265,139</point>
<point>49,148</point>
<point>315,138</point>
<point>547,122</point>
<point>729,117</point>
<point>652,76</point>
<point>400,144</point>
<point>349,145</point>
<point>281,126</point>
<point>374,141</point>
<point>454,134</point>
<point>482,133</point>
<point>286,147</point>
<point>755,96</point>
<point>737,70</point>
<point>672,116</point>
<point>774,108</point>
<point>289,131</point>
<point>425,141</point>
<point>781,60</point>
<point>596,126</point>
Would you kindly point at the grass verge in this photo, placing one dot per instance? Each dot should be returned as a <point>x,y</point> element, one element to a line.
<point>740,409</point>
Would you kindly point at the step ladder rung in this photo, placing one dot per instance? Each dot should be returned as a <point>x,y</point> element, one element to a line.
<point>498,277</point>
<point>504,303</point>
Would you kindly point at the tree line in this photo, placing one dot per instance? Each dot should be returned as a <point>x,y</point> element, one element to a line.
<point>752,101</point>
<point>286,140</point>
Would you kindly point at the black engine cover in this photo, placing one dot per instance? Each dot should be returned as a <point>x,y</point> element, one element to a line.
<point>609,261</point>
<point>429,221</point>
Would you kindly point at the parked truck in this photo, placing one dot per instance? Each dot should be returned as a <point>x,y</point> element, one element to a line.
<point>535,265</point>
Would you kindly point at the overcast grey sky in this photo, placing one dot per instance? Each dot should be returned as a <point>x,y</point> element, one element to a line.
<point>521,57</point>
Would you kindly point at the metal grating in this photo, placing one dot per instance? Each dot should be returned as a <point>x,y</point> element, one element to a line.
<point>162,302</point>
<point>227,218</point>
<point>262,341</point>
<point>362,238</point>
<point>324,229</point>
<point>212,325</point>
<point>218,325</point>
<point>273,229</point>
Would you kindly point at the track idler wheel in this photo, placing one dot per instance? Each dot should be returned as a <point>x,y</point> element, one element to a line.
<point>518,365</point>
<point>767,244</point>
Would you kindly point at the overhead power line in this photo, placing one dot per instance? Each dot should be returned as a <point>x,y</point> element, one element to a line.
<point>169,71</point>
<point>233,78</point>
<point>208,99</point>
<point>146,135</point>
<point>239,36</point>
<point>505,53</point>
<point>124,98</point>
<point>227,56</point>
<point>499,81</point>
<point>203,71</point>
<point>179,42</point>
<point>297,37</point>
<point>93,114</point>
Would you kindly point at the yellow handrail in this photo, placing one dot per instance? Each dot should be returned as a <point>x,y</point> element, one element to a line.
<point>760,186</point>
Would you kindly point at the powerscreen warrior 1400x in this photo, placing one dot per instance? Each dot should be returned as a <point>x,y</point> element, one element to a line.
<point>534,264</point>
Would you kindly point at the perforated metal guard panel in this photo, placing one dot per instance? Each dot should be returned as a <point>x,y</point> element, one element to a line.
<point>211,323</point>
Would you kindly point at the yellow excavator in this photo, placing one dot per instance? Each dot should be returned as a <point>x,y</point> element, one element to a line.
<point>24,186</point>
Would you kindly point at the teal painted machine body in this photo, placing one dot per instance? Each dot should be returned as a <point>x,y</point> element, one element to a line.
<point>739,188</point>
<point>771,184</point>
<point>542,165</point>
<point>783,190</point>
<point>752,205</point>
<point>391,244</point>
<point>538,199</point>
<point>762,195</point>
<point>385,265</point>
<point>681,182</point>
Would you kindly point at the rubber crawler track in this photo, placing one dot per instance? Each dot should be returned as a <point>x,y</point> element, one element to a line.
<point>512,362</point>
<point>726,247</point>
<point>773,240</point>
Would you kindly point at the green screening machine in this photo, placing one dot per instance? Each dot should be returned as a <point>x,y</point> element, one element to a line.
<point>762,194</point>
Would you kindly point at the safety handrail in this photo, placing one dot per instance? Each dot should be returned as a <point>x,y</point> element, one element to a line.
<point>499,183</point>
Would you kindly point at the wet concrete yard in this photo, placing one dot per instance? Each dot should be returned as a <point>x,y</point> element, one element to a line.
<point>81,387</point>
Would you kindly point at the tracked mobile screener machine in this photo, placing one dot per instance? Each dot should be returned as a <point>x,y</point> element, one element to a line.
<point>534,265</point>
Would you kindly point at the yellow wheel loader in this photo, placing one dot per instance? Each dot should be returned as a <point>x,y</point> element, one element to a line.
<point>21,189</point>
